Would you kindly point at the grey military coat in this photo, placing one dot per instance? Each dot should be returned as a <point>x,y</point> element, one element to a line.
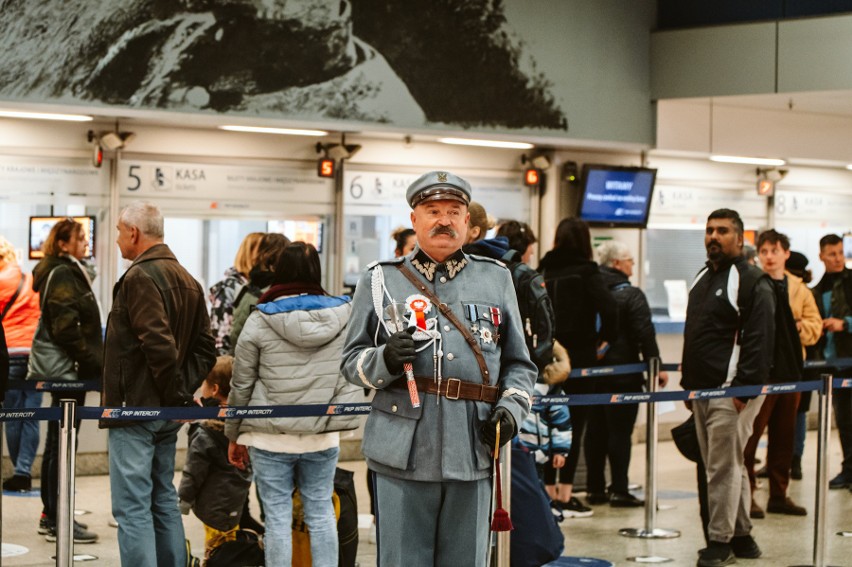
<point>440,440</point>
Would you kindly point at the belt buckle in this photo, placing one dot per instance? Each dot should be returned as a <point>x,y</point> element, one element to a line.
<point>458,388</point>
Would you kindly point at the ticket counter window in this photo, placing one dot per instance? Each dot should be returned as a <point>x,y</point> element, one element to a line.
<point>207,247</point>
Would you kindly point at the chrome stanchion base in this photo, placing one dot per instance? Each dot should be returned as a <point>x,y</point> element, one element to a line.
<point>12,550</point>
<point>656,533</point>
<point>80,557</point>
<point>650,559</point>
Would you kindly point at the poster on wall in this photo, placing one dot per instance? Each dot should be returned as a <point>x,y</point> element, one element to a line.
<point>404,62</point>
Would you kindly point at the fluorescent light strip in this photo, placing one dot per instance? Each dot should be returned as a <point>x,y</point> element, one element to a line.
<point>486,143</point>
<point>748,160</point>
<point>284,131</point>
<point>849,167</point>
<point>45,116</point>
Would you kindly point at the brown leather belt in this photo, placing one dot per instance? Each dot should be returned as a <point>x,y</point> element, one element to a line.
<point>453,389</point>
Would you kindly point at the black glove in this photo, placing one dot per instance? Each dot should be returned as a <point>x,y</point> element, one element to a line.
<point>488,429</point>
<point>399,349</point>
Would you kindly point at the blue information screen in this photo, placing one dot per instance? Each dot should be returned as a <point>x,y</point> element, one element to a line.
<point>617,196</point>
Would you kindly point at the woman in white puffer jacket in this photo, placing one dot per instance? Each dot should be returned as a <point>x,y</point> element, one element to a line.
<point>289,354</point>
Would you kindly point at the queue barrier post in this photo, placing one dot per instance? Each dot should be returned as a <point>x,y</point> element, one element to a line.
<point>650,531</point>
<point>66,466</point>
<point>504,550</point>
<point>823,439</point>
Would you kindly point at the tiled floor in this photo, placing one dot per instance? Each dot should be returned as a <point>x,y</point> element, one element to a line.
<point>785,540</point>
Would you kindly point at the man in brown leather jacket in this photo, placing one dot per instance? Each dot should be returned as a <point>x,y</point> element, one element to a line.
<point>158,349</point>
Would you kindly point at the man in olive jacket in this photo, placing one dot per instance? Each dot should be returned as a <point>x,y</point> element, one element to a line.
<point>158,350</point>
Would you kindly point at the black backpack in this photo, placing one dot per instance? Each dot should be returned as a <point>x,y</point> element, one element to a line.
<point>787,361</point>
<point>538,319</point>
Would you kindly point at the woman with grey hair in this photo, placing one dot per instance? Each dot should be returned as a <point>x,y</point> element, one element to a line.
<point>610,426</point>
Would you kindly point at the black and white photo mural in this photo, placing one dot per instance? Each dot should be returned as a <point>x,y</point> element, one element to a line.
<point>413,63</point>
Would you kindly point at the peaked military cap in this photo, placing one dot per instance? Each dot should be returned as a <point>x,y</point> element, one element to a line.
<point>438,185</point>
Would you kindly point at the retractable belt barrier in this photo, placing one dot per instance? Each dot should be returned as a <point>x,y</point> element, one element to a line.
<point>55,385</point>
<point>69,413</point>
<point>249,412</point>
<point>577,373</point>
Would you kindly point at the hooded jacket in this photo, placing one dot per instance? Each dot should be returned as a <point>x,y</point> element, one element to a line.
<point>289,353</point>
<point>71,314</point>
<point>158,343</point>
<point>494,248</point>
<point>214,488</point>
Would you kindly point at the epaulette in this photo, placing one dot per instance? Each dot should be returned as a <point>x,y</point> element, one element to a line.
<point>487,259</point>
<point>389,262</point>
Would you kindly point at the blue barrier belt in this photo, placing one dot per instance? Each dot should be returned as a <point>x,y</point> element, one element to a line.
<point>251,412</point>
<point>834,363</point>
<point>678,395</point>
<point>31,414</point>
<point>595,371</point>
<point>609,370</point>
<point>55,386</point>
<point>244,412</point>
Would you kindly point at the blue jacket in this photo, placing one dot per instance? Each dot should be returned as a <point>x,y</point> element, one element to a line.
<point>547,430</point>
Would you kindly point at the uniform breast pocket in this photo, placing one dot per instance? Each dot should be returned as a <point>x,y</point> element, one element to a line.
<point>484,321</point>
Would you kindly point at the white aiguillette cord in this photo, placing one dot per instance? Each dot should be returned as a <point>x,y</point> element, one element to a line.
<point>379,290</point>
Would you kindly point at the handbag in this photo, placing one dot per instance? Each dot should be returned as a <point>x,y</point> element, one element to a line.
<point>49,361</point>
<point>685,438</point>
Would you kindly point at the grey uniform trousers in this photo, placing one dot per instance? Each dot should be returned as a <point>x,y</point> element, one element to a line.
<point>432,524</point>
<point>722,437</point>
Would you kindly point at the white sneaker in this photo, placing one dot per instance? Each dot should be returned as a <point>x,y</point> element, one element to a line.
<point>371,537</point>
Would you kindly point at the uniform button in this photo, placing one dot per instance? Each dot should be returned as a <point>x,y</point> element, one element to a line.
<point>447,328</point>
<point>380,381</point>
<point>394,408</point>
<point>443,279</point>
<point>450,356</point>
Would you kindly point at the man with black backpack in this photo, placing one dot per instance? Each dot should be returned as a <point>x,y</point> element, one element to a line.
<point>728,341</point>
<point>610,426</point>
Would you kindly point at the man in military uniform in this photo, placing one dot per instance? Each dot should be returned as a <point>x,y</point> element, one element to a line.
<point>433,459</point>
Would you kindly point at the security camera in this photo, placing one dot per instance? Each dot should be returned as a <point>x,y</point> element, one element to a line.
<point>115,140</point>
<point>772,174</point>
<point>539,161</point>
<point>338,151</point>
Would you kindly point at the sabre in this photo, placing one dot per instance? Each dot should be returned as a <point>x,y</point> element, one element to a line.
<point>407,366</point>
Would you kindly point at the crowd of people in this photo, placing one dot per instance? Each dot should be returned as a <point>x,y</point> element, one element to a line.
<point>450,340</point>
